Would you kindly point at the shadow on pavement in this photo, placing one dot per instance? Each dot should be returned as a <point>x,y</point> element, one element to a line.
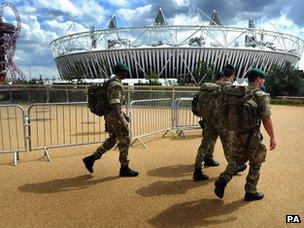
<point>172,171</point>
<point>197,213</point>
<point>186,137</point>
<point>60,185</point>
<point>88,133</point>
<point>171,187</point>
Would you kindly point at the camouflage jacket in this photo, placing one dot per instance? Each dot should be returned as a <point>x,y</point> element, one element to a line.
<point>115,91</point>
<point>263,101</point>
<point>115,94</point>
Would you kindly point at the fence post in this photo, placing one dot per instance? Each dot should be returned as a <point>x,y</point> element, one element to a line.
<point>11,95</point>
<point>67,94</point>
<point>47,95</point>
<point>27,130</point>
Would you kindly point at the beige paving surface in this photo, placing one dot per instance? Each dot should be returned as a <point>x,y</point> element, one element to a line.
<point>61,193</point>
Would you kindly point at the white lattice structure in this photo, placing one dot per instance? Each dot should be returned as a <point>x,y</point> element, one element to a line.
<point>172,50</point>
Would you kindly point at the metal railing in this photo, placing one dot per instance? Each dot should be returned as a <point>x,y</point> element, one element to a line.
<point>184,118</point>
<point>149,117</point>
<point>54,125</point>
<point>63,94</point>
<point>62,125</point>
<point>12,130</point>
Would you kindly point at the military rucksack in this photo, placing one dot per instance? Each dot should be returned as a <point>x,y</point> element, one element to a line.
<point>98,100</point>
<point>194,105</point>
<point>240,112</point>
<point>206,100</point>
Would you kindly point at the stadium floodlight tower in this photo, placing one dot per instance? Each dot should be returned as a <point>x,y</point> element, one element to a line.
<point>8,40</point>
<point>173,51</point>
<point>215,18</point>
<point>160,19</point>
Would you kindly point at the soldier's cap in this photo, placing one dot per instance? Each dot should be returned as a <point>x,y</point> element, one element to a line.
<point>255,72</point>
<point>230,67</point>
<point>121,67</point>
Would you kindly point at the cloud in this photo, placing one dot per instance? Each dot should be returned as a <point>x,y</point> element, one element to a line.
<point>182,2</point>
<point>185,19</point>
<point>31,72</point>
<point>33,43</point>
<point>294,10</point>
<point>92,13</point>
<point>63,28</point>
<point>120,3</point>
<point>136,16</point>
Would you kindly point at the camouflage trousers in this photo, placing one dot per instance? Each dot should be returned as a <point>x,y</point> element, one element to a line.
<point>116,133</point>
<point>206,149</point>
<point>255,153</point>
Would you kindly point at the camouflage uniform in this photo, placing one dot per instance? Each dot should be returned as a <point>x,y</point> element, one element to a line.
<point>211,132</point>
<point>249,147</point>
<point>114,126</point>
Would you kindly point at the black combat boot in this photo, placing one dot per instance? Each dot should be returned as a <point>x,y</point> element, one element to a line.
<point>198,175</point>
<point>220,185</point>
<point>125,171</point>
<point>254,196</point>
<point>241,168</point>
<point>89,162</point>
<point>211,162</point>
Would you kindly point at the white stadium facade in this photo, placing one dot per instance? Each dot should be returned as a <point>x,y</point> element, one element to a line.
<point>171,51</point>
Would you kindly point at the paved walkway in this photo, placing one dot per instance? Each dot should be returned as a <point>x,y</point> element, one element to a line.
<point>62,193</point>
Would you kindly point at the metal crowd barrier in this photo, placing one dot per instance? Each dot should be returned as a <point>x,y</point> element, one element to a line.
<point>184,118</point>
<point>12,130</point>
<point>149,117</point>
<point>54,125</point>
<point>57,125</point>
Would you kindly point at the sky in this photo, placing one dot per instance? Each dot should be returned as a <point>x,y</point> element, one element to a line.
<point>45,20</point>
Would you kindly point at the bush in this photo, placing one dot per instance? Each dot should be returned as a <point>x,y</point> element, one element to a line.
<point>285,81</point>
<point>286,101</point>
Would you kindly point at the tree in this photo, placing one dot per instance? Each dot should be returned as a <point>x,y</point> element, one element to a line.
<point>79,71</point>
<point>203,72</point>
<point>153,78</point>
<point>285,80</point>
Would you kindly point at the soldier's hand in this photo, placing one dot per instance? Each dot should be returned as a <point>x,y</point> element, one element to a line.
<point>273,144</point>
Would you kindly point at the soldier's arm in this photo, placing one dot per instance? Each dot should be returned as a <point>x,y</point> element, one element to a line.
<point>116,112</point>
<point>267,123</point>
<point>266,119</point>
<point>115,93</point>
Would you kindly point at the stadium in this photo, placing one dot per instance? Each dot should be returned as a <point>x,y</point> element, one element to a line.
<point>172,51</point>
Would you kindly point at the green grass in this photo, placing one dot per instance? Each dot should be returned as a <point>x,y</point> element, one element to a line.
<point>276,101</point>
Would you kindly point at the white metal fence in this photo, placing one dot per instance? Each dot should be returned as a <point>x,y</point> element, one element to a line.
<point>184,118</point>
<point>12,130</point>
<point>54,125</point>
<point>150,117</point>
<point>63,124</point>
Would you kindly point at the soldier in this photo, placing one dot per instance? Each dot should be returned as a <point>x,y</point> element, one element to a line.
<point>215,78</point>
<point>212,130</point>
<point>248,145</point>
<point>117,125</point>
